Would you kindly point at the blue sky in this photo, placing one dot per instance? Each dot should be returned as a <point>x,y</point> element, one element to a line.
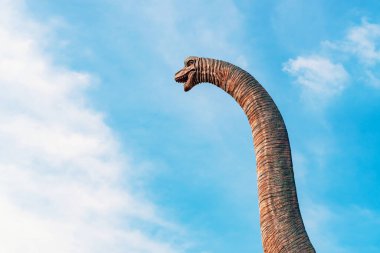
<point>103,152</point>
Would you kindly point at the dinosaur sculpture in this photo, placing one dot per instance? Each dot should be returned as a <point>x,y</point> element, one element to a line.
<point>281,224</point>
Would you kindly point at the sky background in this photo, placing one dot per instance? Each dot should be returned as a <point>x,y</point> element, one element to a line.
<point>101,151</point>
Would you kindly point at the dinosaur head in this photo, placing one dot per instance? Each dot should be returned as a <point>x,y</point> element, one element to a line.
<point>187,74</point>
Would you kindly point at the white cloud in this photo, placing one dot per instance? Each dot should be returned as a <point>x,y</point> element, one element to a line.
<point>60,164</point>
<point>362,41</point>
<point>318,77</point>
<point>321,78</point>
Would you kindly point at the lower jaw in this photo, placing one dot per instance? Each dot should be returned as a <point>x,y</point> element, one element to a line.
<point>187,86</point>
<point>189,83</point>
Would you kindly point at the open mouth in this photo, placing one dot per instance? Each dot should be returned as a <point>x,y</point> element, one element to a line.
<point>186,78</point>
<point>182,79</point>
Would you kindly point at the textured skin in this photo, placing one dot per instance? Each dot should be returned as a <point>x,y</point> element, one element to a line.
<point>282,228</point>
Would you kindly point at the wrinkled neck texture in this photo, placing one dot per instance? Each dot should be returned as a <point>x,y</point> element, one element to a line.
<point>282,228</point>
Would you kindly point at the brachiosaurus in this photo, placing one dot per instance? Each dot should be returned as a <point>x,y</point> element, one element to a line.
<point>281,224</point>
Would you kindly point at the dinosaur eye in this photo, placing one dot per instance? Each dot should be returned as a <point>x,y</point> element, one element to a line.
<point>190,62</point>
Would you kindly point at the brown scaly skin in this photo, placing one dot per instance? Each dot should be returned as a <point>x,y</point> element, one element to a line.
<point>282,228</point>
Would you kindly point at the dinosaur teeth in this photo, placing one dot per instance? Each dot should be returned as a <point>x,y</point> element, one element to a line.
<point>181,79</point>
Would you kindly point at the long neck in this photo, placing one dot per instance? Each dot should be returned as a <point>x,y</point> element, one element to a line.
<point>282,228</point>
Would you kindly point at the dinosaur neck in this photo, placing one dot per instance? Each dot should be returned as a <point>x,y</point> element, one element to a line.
<point>282,228</point>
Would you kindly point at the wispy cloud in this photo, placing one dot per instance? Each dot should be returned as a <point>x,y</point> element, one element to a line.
<point>319,78</point>
<point>362,42</point>
<point>60,165</point>
<point>324,75</point>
